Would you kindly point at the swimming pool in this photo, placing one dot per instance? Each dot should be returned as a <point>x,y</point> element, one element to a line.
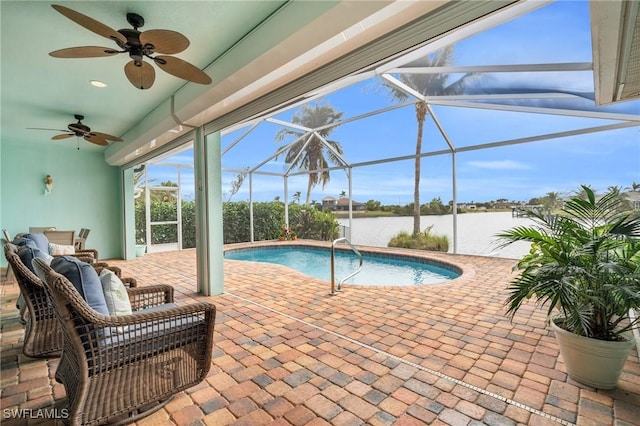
<point>377,269</point>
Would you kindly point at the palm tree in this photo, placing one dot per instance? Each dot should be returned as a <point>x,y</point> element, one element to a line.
<point>615,189</point>
<point>165,195</point>
<point>427,85</point>
<point>552,199</point>
<point>295,199</point>
<point>314,156</point>
<point>635,186</point>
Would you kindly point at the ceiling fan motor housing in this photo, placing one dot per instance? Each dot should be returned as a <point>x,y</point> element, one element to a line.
<point>133,45</point>
<point>79,129</point>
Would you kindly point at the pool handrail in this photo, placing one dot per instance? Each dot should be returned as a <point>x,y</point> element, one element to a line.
<point>333,274</point>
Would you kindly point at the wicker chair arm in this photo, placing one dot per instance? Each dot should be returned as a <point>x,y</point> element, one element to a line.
<point>155,315</point>
<point>99,266</point>
<point>91,252</point>
<point>84,257</point>
<point>129,282</point>
<point>148,296</point>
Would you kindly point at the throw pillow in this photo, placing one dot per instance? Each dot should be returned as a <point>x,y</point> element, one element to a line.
<point>28,252</point>
<point>61,249</point>
<point>116,296</point>
<point>41,241</point>
<point>115,293</point>
<point>84,278</point>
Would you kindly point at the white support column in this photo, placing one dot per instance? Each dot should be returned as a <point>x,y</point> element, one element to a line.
<point>179,208</point>
<point>349,174</point>
<point>129,215</point>
<point>453,175</point>
<point>147,209</point>
<point>251,207</point>
<point>454,208</point>
<point>286,200</point>
<point>209,244</point>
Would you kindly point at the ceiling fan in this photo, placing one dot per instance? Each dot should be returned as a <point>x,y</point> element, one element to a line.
<point>81,130</point>
<point>138,45</point>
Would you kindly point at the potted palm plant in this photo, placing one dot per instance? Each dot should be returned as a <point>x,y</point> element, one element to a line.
<point>584,265</point>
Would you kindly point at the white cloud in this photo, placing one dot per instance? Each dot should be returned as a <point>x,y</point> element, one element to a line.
<point>499,165</point>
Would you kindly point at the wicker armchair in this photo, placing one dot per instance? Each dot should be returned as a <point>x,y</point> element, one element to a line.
<point>43,335</point>
<point>117,369</point>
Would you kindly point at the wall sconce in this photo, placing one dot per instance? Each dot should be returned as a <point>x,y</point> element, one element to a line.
<point>48,184</point>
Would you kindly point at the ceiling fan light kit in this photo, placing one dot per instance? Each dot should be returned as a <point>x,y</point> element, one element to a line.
<point>138,45</point>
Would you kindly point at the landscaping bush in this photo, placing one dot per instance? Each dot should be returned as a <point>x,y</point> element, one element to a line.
<point>268,221</point>
<point>424,240</point>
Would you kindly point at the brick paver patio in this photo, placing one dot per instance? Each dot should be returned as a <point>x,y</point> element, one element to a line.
<point>287,353</point>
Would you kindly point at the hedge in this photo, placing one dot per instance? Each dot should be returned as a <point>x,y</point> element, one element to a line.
<point>268,222</point>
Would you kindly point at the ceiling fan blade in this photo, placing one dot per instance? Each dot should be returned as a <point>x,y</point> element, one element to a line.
<point>84,52</point>
<point>107,136</point>
<point>142,77</point>
<point>164,41</point>
<point>182,69</point>
<point>62,136</point>
<point>93,138</point>
<point>90,23</point>
<point>40,128</point>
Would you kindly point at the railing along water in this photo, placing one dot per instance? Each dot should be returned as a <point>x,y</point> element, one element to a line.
<point>333,261</point>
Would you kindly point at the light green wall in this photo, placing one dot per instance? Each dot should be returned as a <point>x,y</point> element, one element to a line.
<point>86,193</point>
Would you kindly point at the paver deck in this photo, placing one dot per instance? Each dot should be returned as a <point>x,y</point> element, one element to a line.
<point>287,353</point>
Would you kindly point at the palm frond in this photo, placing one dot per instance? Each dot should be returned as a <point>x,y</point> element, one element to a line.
<point>310,153</point>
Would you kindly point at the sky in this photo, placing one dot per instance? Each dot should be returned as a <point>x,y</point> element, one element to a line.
<point>556,33</point>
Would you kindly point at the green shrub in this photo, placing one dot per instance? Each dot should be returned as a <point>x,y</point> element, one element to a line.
<point>268,221</point>
<point>424,240</point>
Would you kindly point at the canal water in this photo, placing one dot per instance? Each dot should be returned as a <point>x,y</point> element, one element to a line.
<point>476,231</point>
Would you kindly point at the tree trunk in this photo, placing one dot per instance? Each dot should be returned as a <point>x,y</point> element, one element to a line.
<point>309,186</point>
<point>421,113</point>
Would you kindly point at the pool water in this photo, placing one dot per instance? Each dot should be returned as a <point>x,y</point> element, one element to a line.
<point>376,269</point>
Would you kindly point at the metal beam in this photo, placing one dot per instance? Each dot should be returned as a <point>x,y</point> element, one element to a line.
<point>491,20</point>
<point>568,66</point>
<point>537,110</point>
<point>404,87</point>
<point>304,146</point>
<point>547,136</point>
<point>288,124</point>
<point>234,143</point>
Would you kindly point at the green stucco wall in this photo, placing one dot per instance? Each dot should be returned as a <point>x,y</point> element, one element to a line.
<point>86,193</point>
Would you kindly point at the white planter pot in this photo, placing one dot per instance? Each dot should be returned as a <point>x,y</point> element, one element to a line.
<point>141,249</point>
<point>596,363</point>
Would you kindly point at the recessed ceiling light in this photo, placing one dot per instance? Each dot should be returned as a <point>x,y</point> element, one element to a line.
<point>98,83</point>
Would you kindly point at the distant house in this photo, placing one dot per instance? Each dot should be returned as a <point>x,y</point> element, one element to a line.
<point>634,199</point>
<point>503,205</point>
<point>467,206</point>
<point>341,204</point>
